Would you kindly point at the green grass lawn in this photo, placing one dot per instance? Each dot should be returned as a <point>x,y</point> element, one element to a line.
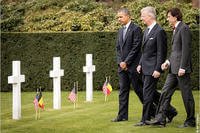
<point>88,117</point>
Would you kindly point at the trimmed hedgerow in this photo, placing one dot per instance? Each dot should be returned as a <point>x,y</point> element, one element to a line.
<point>36,52</point>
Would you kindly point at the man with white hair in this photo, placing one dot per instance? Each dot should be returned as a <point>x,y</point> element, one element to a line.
<point>154,52</point>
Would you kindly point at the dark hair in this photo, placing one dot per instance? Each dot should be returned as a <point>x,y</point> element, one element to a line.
<point>125,11</point>
<point>175,12</point>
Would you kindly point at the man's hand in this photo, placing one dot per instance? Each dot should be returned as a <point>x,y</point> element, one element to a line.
<point>181,72</point>
<point>139,68</point>
<point>164,66</point>
<point>156,74</point>
<point>123,65</point>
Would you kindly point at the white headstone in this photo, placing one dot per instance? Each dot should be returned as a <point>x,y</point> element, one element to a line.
<point>89,69</point>
<point>16,80</point>
<point>56,74</point>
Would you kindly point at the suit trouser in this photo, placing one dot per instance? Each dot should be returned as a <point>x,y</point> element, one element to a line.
<point>169,88</point>
<point>125,79</point>
<point>149,89</point>
<point>151,98</point>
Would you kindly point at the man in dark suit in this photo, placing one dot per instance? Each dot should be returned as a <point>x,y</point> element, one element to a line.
<point>179,64</point>
<point>128,49</point>
<point>154,51</point>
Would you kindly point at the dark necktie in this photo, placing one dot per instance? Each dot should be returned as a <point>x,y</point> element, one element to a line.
<point>146,33</point>
<point>174,30</point>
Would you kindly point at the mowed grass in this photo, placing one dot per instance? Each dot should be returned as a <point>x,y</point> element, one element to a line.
<point>88,117</point>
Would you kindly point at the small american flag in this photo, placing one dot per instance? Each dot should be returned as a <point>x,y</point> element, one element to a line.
<point>105,88</point>
<point>72,95</point>
<point>36,103</point>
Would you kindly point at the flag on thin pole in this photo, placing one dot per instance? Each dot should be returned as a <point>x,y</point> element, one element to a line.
<point>38,102</point>
<point>72,96</point>
<point>107,88</point>
<point>76,91</point>
<point>104,87</point>
<point>35,101</point>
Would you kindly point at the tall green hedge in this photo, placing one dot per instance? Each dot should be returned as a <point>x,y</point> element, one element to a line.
<point>36,52</point>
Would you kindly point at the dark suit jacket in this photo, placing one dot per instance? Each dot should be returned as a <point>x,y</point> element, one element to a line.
<point>181,49</point>
<point>129,50</point>
<point>154,51</point>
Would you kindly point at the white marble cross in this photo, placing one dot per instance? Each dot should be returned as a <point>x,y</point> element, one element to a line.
<point>16,80</point>
<point>89,69</point>
<point>56,74</point>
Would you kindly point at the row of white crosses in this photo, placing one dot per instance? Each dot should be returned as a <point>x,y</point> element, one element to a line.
<point>16,79</point>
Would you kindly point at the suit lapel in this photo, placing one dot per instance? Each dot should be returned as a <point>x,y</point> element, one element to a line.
<point>150,34</point>
<point>127,32</point>
<point>144,36</point>
<point>176,30</point>
<point>121,37</point>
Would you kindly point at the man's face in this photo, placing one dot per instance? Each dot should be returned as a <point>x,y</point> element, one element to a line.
<point>145,17</point>
<point>123,18</point>
<point>172,20</point>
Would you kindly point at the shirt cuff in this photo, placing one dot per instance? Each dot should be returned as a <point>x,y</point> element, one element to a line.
<point>167,61</point>
<point>183,70</point>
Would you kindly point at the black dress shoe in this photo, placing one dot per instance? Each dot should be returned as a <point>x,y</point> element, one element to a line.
<point>171,116</point>
<point>140,124</point>
<point>187,125</point>
<point>118,120</point>
<point>156,123</point>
